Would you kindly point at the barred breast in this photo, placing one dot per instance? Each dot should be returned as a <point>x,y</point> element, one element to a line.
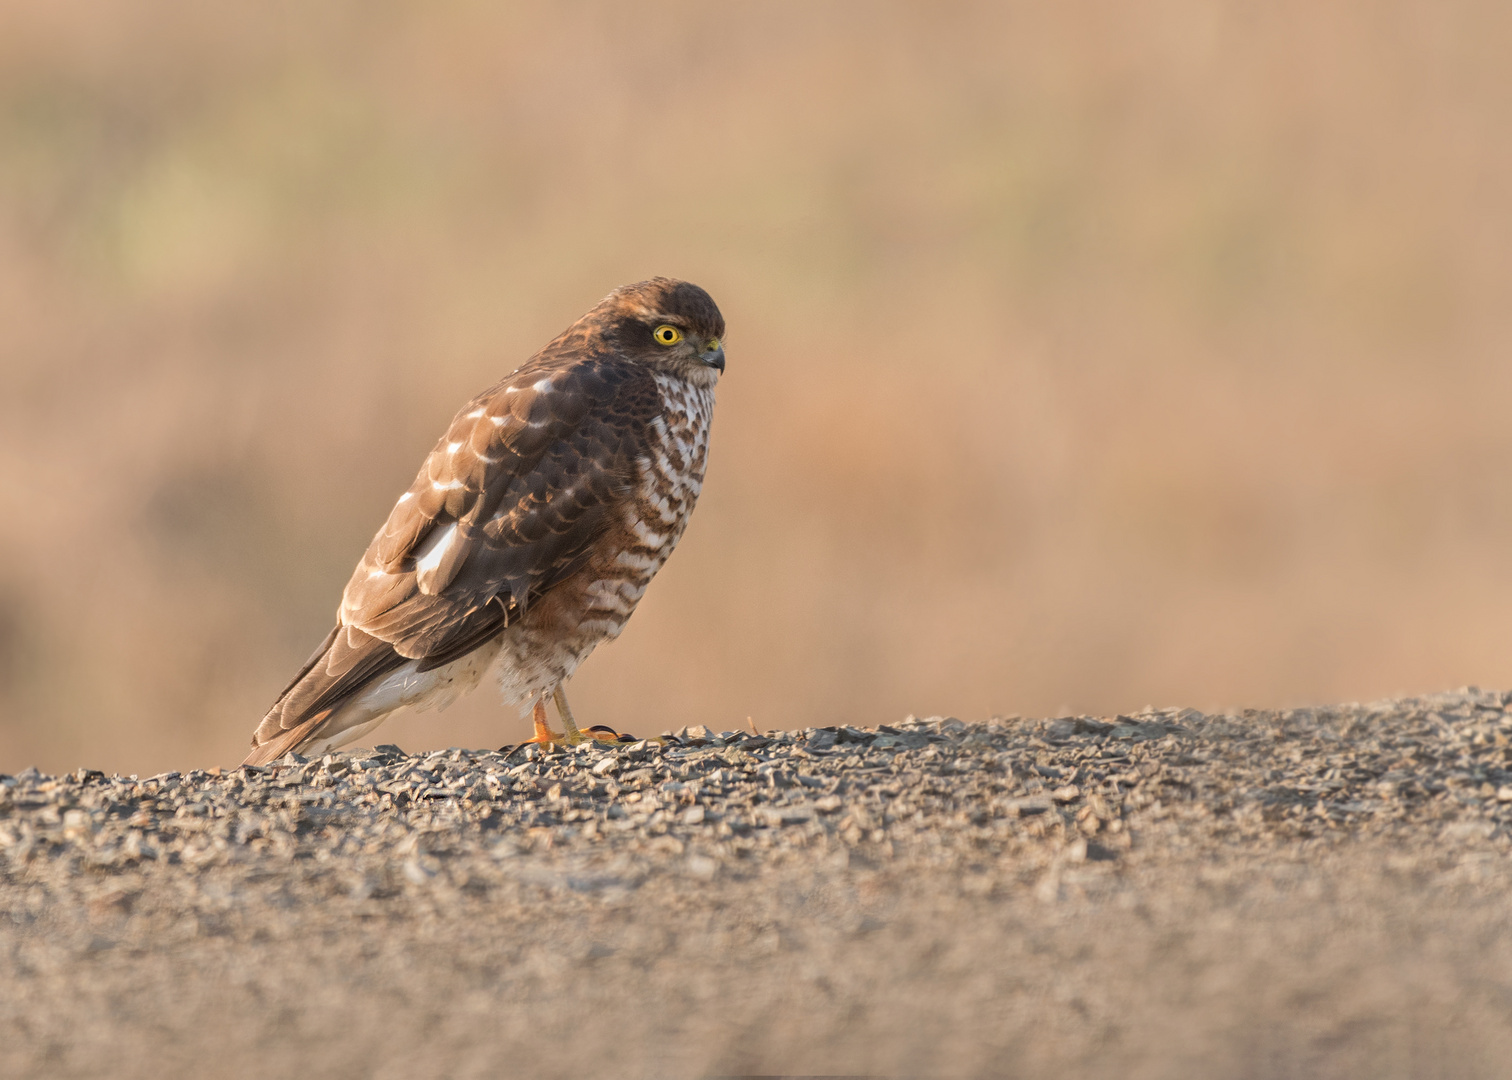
<point>545,647</point>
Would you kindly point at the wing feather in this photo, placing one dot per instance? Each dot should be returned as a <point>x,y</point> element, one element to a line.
<point>519,487</point>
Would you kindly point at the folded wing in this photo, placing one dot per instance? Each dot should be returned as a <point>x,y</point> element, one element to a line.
<point>508,504</point>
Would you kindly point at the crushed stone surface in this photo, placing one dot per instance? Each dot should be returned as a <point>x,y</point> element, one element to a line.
<point>1311,892</point>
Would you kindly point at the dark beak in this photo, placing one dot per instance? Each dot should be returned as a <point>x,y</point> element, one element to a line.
<point>714,358</point>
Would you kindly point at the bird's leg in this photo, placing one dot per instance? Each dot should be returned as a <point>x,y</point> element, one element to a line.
<point>574,736</point>
<point>570,736</point>
<point>543,732</point>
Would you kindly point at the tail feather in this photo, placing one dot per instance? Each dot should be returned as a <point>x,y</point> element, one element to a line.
<point>347,662</point>
<point>284,741</point>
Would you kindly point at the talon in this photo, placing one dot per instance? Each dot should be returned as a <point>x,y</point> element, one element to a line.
<point>572,736</point>
<point>605,733</point>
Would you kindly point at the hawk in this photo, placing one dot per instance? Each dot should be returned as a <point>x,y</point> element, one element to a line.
<point>530,534</point>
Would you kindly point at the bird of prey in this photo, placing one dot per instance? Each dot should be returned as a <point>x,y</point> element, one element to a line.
<point>530,534</point>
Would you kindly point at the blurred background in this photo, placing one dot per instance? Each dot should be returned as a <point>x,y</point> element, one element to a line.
<point>1082,356</point>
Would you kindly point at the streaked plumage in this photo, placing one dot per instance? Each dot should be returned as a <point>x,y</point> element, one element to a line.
<point>532,530</point>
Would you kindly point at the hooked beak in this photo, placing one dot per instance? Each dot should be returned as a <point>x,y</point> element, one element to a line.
<point>714,358</point>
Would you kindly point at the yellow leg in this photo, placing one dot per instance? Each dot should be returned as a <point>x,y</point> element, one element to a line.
<point>569,725</point>
<point>543,732</point>
<point>574,736</point>
<point>570,736</point>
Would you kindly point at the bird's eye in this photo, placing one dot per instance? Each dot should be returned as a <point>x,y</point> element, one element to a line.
<point>667,335</point>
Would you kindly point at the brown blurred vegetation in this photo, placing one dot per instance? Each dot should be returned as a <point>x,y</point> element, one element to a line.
<point>1082,355</point>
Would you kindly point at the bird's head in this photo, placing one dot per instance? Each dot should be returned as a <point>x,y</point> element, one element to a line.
<point>671,325</point>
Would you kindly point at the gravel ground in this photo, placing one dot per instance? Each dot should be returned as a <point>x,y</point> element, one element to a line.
<point>1316,892</point>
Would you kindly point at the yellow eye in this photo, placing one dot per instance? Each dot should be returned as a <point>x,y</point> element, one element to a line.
<point>667,335</point>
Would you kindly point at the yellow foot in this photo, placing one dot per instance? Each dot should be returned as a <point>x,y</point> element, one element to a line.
<point>544,736</point>
<point>597,733</point>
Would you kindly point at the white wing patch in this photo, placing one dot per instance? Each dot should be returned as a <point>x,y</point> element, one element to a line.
<point>429,554</point>
<point>439,557</point>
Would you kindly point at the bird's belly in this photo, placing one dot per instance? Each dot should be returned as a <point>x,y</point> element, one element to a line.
<point>543,649</point>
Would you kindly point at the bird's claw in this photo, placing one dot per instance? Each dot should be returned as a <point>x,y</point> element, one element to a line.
<point>597,733</point>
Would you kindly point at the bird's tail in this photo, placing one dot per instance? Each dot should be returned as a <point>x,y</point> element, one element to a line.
<point>347,662</point>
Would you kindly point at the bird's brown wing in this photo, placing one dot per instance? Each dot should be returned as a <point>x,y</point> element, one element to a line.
<point>508,503</point>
